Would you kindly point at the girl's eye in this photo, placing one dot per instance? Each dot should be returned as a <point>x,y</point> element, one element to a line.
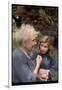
<point>41,45</point>
<point>45,46</point>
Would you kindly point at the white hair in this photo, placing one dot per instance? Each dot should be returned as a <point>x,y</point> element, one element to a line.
<point>24,32</point>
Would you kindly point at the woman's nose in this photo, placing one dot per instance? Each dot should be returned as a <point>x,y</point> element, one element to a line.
<point>35,42</point>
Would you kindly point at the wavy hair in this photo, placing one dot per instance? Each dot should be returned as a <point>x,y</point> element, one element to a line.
<point>49,40</point>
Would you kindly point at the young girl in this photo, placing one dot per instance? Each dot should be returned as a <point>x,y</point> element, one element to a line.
<point>47,68</point>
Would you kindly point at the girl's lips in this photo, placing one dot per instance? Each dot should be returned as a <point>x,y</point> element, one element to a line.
<point>43,52</point>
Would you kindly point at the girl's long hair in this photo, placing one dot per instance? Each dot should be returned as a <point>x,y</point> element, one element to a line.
<point>49,40</point>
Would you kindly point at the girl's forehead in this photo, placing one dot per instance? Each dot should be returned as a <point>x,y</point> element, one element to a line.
<point>44,43</point>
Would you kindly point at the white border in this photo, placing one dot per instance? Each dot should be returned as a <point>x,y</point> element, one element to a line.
<point>26,3</point>
<point>9,44</point>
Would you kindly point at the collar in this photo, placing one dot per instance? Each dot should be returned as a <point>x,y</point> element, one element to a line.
<point>25,52</point>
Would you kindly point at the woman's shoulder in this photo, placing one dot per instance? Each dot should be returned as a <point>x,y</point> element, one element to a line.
<point>18,53</point>
<point>19,56</point>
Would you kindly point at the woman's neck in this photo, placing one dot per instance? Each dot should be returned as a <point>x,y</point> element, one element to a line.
<point>25,50</point>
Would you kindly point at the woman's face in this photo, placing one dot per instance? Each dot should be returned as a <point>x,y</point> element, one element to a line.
<point>44,48</point>
<point>31,42</point>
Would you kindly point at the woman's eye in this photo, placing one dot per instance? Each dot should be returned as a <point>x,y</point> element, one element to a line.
<point>34,40</point>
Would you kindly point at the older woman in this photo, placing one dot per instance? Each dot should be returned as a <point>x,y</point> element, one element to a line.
<point>23,69</point>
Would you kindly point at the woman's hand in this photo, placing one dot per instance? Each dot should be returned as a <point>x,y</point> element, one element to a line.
<point>38,60</point>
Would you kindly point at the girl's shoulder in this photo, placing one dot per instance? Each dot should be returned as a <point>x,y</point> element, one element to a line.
<point>50,57</point>
<point>52,60</point>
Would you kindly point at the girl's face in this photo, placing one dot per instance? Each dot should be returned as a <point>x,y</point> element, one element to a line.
<point>44,48</point>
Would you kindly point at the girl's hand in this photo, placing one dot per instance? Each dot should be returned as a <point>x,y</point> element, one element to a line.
<point>44,73</point>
